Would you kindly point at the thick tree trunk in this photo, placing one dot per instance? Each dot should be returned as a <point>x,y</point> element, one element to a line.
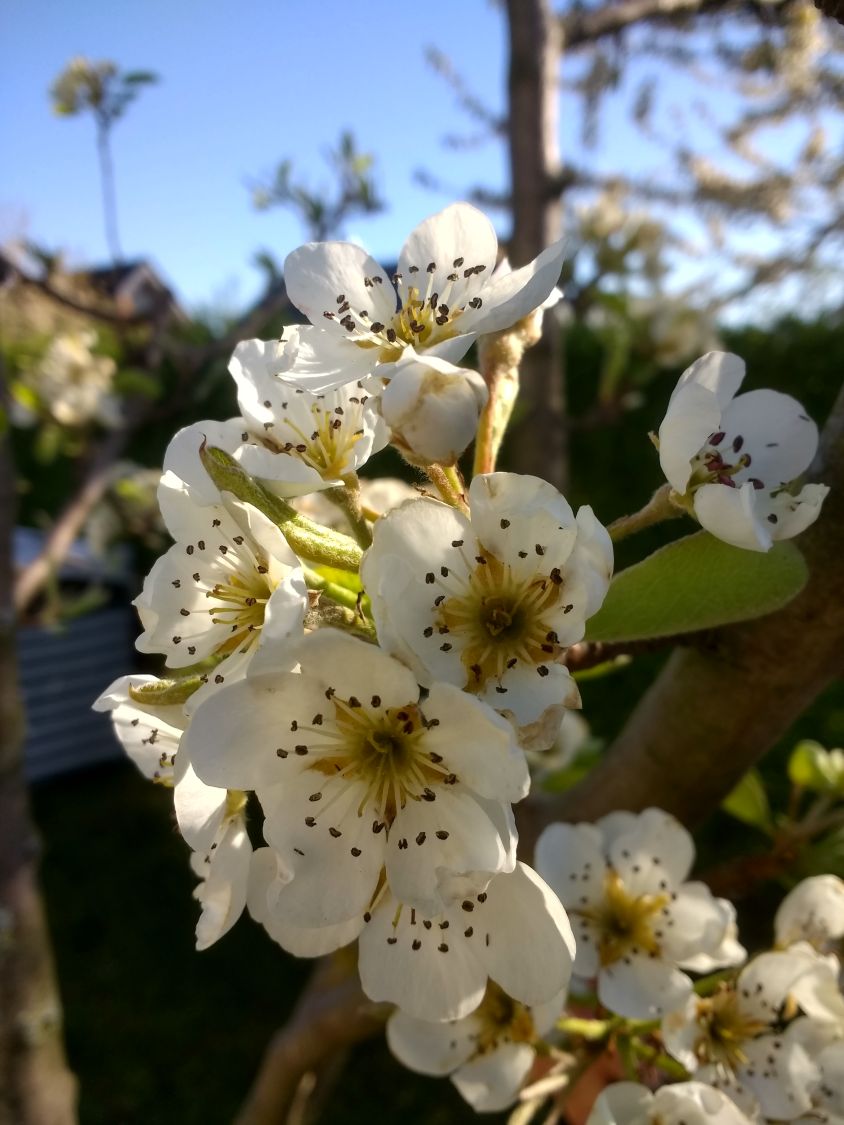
<point>36,1087</point>
<point>713,712</point>
<point>538,442</point>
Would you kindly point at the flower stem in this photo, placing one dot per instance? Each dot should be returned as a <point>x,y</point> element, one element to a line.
<point>447,481</point>
<point>660,507</point>
<point>347,500</point>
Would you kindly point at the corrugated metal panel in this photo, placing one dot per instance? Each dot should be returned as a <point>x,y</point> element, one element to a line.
<point>62,673</point>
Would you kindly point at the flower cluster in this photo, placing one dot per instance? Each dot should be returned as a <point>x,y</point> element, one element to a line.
<point>362,676</point>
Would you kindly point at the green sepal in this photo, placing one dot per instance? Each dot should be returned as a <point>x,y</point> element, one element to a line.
<point>309,540</point>
<point>167,693</point>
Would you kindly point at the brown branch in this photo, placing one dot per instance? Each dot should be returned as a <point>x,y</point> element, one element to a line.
<point>584,26</point>
<point>832,8</point>
<point>331,1015</point>
<point>716,709</point>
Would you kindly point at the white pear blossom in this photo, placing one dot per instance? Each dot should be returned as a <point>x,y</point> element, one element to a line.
<point>488,1053</point>
<point>435,966</point>
<point>149,733</point>
<point>229,588</point>
<point>735,1039</point>
<point>827,1090</point>
<point>432,407</point>
<point>492,602</point>
<point>287,474</point>
<point>211,820</point>
<point>355,772</point>
<point>683,1103</point>
<point>813,911</point>
<point>224,873</point>
<point>442,296</point>
<point>72,383</point>
<point>334,432</point>
<point>438,966</point>
<point>734,460</point>
<point>636,921</point>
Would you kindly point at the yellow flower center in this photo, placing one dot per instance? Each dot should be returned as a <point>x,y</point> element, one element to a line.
<point>724,1029</point>
<point>381,747</point>
<point>625,921</point>
<point>503,1020</point>
<point>502,620</point>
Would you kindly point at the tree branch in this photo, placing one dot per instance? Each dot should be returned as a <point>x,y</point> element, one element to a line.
<point>583,26</point>
<point>331,1014</point>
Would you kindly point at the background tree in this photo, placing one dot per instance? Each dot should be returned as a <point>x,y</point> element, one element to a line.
<point>733,184</point>
<point>105,91</point>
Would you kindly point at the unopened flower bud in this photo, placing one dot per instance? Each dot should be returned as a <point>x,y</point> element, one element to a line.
<point>432,407</point>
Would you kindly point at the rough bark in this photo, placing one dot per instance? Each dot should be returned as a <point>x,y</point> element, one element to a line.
<point>36,1087</point>
<point>538,442</point>
<point>717,709</point>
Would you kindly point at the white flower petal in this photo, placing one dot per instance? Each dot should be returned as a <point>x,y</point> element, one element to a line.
<point>693,414</point>
<point>477,744</point>
<point>719,372</point>
<point>200,808</point>
<point>655,842</point>
<point>321,360</point>
<point>731,514</point>
<point>455,240</point>
<point>150,735</point>
<point>812,911</point>
<point>322,276</point>
<point>222,893</point>
<point>776,431</point>
<point>453,833</point>
<point>571,860</point>
<point>695,1104</point>
<point>181,459</point>
<point>523,902</point>
<point>641,987</point>
<point>431,1048</point>
<point>233,737</point>
<point>491,1082</point>
<point>779,1073</point>
<point>354,668</point>
<point>764,984</point>
<point>509,298</point>
<point>432,407</point>
<point>680,1032</point>
<point>428,972</point>
<point>335,861</point>
<point>622,1103</point>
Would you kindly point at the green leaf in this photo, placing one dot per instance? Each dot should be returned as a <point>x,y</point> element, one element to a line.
<point>825,856</point>
<point>748,802</point>
<point>697,583</point>
<point>135,381</point>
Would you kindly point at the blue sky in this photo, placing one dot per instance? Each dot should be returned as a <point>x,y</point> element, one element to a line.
<point>244,85</point>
